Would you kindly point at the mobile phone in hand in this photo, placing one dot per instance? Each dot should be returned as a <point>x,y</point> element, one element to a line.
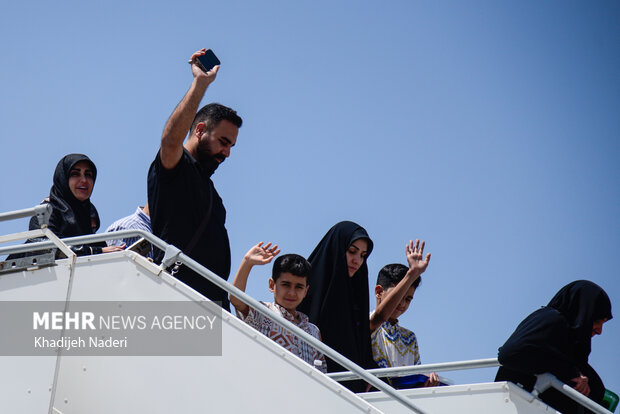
<point>207,61</point>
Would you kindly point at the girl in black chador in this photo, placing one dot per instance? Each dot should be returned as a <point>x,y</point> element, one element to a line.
<point>557,339</point>
<point>337,301</point>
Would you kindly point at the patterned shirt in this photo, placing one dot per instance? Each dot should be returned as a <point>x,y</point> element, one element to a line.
<point>138,220</point>
<point>394,346</point>
<point>283,337</point>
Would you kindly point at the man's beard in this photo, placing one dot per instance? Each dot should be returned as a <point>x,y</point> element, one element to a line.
<point>208,161</point>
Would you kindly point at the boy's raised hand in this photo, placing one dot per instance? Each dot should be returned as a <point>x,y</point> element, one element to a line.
<point>261,255</point>
<point>415,253</point>
<point>257,255</point>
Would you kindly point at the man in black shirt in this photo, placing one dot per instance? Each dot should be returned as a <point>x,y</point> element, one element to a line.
<point>186,210</point>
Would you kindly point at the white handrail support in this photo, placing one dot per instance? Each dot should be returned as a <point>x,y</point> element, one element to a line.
<point>42,212</point>
<point>44,232</point>
<point>546,381</point>
<point>31,234</point>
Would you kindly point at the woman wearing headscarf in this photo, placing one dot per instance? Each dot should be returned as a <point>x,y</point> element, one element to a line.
<point>72,212</point>
<point>337,300</point>
<point>557,339</point>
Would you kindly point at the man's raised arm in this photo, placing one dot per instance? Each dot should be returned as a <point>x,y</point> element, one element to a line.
<point>183,115</point>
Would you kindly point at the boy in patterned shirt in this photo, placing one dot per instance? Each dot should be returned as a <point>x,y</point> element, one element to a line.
<point>393,345</point>
<point>289,284</point>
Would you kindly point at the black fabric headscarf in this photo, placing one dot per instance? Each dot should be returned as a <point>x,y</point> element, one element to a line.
<point>557,339</point>
<point>582,303</point>
<point>71,217</point>
<point>337,303</point>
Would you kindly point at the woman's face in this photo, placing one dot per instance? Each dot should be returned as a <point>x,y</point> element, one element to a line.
<point>356,254</point>
<point>81,181</point>
<point>597,327</point>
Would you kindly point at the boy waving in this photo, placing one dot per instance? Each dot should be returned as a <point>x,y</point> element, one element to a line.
<point>289,285</point>
<point>392,344</point>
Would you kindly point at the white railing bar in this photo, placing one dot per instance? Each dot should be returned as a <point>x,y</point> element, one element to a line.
<point>30,234</point>
<point>547,380</point>
<point>420,369</point>
<point>53,241</point>
<point>42,210</point>
<point>90,238</point>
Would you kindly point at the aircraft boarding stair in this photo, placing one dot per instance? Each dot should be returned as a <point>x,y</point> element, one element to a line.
<point>253,373</point>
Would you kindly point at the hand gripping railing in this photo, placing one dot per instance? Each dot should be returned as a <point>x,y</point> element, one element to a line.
<point>546,381</point>
<point>173,254</point>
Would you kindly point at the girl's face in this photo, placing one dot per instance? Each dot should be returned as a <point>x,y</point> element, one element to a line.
<point>81,181</point>
<point>356,254</point>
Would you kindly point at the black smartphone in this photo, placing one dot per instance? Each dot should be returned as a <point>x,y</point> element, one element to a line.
<point>207,61</point>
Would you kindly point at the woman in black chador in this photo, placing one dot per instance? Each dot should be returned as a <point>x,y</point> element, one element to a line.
<point>556,339</point>
<point>337,300</point>
<point>72,212</point>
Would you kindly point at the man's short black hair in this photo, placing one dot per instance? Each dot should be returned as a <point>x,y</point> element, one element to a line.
<point>212,114</point>
<point>291,263</point>
<point>393,273</point>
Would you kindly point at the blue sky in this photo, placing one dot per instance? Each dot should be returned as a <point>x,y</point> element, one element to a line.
<point>489,129</point>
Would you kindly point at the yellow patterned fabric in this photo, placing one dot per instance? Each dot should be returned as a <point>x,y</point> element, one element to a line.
<point>394,346</point>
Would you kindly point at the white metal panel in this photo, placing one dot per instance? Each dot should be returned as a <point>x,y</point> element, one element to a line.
<point>26,381</point>
<point>46,283</point>
<point>494,397</point>
<point>253,374</point>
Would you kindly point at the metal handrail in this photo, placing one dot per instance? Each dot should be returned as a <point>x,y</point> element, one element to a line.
<point>72,241</point>
<point>42,211</point>
<point>172,254</point>
<point>547,380</point>
<point>420,369</point>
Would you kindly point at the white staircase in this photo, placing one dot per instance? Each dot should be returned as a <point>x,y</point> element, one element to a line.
<point>252,374</point>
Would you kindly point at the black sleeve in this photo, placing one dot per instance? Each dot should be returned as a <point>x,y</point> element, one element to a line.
<point>597,388</point>
<point>81,250</point>
<point>169,174</point>
<point>34,223</point>
<point>540,344</point>
<point>86,249</point>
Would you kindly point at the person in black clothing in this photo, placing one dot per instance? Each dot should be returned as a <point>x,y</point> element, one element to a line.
<point>185,208</point>
<point>72,212</point>
<point>557,339</point>
<point>337,301</point>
